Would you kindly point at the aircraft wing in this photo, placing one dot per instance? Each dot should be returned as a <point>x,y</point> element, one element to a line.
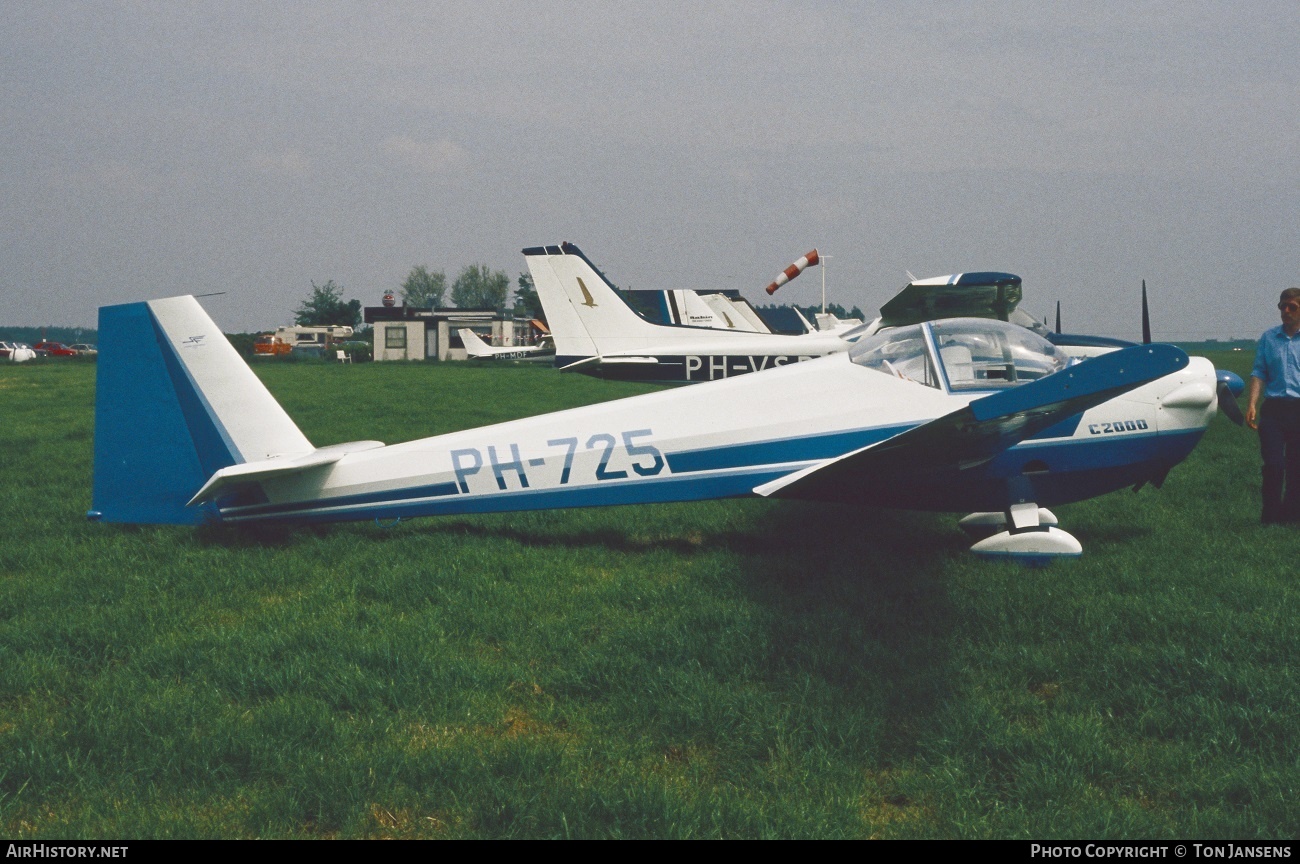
<point>971,436</point>
<point>607,360</point>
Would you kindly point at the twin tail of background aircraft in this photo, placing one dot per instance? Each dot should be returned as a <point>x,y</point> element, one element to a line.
<point>956,415</point>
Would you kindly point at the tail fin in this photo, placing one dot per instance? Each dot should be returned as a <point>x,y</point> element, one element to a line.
<point>586,316</point>
<point>474,346</point>
<point>174,404</point>
<point>705,310</point>
<point>750,314</point>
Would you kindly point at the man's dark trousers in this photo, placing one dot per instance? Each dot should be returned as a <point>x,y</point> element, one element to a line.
<point>1279,442</point>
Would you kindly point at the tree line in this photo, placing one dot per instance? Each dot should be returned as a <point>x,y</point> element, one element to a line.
<point>476,287</point>
<point>51,333</point>
<point>811,312</point>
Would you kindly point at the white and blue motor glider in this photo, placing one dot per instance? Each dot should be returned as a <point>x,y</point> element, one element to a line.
<point>960,415</point>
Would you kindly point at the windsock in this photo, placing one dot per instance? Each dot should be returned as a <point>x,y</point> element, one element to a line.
<point>809,260</point>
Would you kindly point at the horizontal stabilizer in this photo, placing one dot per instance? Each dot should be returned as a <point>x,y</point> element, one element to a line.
<point>973,435</point>
<point>595,362</point>
<point>252,472</point>
<point>615,361</point>
<point>584,363</point>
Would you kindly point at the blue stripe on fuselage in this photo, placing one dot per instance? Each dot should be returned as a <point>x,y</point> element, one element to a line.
<point>809,449</point>
<point>1075,469</point>
<point>658,490</point>
<point>1083,454</point>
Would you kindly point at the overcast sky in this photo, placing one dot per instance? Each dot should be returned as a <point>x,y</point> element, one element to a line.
<point>151,149</point>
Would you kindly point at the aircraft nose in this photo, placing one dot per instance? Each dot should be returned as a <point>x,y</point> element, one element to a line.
<point>1193,398</point>
<point>1193,394</point>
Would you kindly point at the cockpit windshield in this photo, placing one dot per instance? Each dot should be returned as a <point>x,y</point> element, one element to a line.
<point>979,354</point>
<point>973,353</point>
<point>899,351</point>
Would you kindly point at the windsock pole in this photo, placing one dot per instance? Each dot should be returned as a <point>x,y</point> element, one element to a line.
<point>809,260</point>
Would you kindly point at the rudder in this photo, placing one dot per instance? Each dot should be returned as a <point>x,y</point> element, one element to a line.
<point>586,315</point>
<point>174,403</point>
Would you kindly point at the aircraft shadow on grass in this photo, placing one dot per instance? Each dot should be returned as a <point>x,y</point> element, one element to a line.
<point>855,613</point>
<point>889,545</point>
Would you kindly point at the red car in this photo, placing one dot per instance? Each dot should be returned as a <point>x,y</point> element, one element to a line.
<point>54,349</point>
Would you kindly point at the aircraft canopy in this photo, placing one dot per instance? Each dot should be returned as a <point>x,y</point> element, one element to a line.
<point>961,354</point>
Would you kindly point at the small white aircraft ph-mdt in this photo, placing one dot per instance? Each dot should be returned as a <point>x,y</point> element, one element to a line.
<point>476,348</point>
<point>956,415</point>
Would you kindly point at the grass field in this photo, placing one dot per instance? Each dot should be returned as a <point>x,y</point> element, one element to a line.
<point>725,669</point>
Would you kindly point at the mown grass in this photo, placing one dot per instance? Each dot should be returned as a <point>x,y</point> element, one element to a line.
<point>722,669</point>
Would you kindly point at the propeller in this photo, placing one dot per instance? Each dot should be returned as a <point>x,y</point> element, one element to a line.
<point>1229,384</point>
<point>1229,387</point>
<point>1146,316</point>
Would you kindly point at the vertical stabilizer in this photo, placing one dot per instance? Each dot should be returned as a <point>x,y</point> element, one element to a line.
<point>474,345</point>
<point>701,312</point>
<point>175,403</point>
<point>571,338</point>
<point>585,313</point>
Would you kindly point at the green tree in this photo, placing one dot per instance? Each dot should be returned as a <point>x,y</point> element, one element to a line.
<point>423,289</point>
<point>526,303</point>
<point>477,287</point>
<point>326,306</point>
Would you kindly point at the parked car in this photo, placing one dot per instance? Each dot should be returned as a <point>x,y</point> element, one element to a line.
<point>85,350</point>
<point>54,349</point>
<point>16,352</point>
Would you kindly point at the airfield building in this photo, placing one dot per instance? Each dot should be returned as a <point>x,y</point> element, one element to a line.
<point>412,333</point>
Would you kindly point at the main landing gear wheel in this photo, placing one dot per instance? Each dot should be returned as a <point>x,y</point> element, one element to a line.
<point>1030,535</point>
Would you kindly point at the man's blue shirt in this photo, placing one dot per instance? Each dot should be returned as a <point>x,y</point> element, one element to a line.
<point>1277,364</point>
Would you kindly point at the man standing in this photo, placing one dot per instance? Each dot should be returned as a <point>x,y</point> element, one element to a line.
<point>1277,374</point>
